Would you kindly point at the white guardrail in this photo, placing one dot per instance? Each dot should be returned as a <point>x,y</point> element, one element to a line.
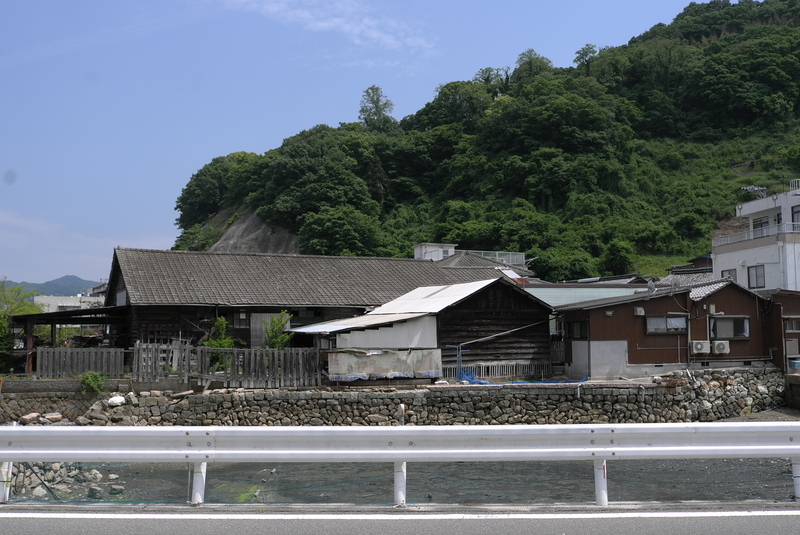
<point>599,443</point>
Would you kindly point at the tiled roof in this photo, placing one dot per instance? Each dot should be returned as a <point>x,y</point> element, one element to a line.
<point>686,278</point>
<point>465,259</point>
<point>704,290</point>
<point>188,277</point>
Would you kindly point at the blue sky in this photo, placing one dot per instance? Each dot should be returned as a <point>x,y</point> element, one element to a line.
<point>108,108</point>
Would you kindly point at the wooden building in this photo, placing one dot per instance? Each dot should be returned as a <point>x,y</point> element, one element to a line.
<point>651,332</point>
<point>484,322</point>
<point>783,329</point>
<point>159,296</point>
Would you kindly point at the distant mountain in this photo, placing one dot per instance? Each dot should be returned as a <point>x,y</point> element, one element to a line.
<point>68,285</point>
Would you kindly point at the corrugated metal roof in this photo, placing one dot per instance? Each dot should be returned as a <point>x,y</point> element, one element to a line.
<point>696,293</point>
<point>358,322</point>
<point>431,299</point>
<point>557,295</point>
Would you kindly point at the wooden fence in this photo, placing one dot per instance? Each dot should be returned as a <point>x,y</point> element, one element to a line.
<point>258,368</point>
<point>247,368</point>
<point>67,362</point>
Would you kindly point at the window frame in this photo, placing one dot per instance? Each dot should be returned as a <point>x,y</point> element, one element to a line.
<point>582,328</point>
<point>795,323</point>
<point>241,320</point>
<point>666,329</point>
<point>729,273</point>
<point>756,275</point>
<point>742,333</point>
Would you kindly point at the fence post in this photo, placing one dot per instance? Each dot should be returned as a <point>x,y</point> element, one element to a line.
<point>600,482</point>
<point>400,467</point>
<point>198,490</point>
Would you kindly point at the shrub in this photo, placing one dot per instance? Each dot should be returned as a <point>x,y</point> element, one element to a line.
<point>91,382</point>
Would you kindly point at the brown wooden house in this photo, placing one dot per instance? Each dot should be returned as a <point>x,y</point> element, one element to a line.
<point>651,332</point>
<point>783,329</point>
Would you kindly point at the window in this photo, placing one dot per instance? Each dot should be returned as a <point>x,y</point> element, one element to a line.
<point>755,277</point>
<point>666,324</point>
<point>728,328</point>
<point>578,330</point>
<point>760,227</point>
<point>241,320</point>
<point>791,325</point>
<point>728,273</point>
<point>796,218</point>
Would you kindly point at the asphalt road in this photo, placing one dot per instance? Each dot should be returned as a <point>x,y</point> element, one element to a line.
<point>744,519</point>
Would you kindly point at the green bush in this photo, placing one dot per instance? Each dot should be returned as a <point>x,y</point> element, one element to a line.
<point>91,382</point>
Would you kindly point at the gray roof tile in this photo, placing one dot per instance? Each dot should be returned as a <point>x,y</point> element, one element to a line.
<point>189,277</point>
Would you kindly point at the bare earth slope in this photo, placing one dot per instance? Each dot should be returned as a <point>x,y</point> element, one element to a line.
<point>249,234</point>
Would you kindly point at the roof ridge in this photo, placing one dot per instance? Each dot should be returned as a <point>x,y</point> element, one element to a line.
<point>282,255</point>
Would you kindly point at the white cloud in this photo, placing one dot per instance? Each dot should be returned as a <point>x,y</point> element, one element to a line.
<point>354,19</point>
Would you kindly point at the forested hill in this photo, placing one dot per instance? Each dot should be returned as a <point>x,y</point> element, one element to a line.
<point>625,162</point>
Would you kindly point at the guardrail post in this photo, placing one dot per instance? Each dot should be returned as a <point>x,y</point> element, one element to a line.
<point>600,482</point>
<point>6,474</point>
<point>796,477</point>
<point>198,491</point>
<point>400,467</point>
<point>6,469</point>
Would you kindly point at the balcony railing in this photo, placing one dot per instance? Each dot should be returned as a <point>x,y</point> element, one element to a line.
<point>785,228</point>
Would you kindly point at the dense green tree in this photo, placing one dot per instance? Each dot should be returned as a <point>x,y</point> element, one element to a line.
<point>458,103</point>
<point>582,57</point>
<point>15,300</point>
<point>617,258</point>
<point>637,152</point>
<point>530,65</point>
<point>496,81</point>
<point>340,231</point>
<point>375,111</point>
<point>203,196</point>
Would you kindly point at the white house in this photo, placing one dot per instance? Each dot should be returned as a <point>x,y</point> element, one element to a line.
<point>766,256</point>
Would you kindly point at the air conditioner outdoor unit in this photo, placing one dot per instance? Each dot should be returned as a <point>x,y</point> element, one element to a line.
<point>701,346</point>
<point>722,347</point>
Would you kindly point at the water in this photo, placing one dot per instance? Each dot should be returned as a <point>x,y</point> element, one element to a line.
<point>513,483</point>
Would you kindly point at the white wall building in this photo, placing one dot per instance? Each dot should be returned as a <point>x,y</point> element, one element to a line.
<point>767,255</point>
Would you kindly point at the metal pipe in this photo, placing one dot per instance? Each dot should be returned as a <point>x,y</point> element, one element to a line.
<point>198,493</point>
<point>600,482</point>
<point>400,467</point>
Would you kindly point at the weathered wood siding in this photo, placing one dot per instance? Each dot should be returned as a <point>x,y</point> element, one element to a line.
<point>496,310</point>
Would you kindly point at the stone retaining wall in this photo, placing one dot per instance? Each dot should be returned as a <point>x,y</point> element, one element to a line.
<point>707,396</point>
